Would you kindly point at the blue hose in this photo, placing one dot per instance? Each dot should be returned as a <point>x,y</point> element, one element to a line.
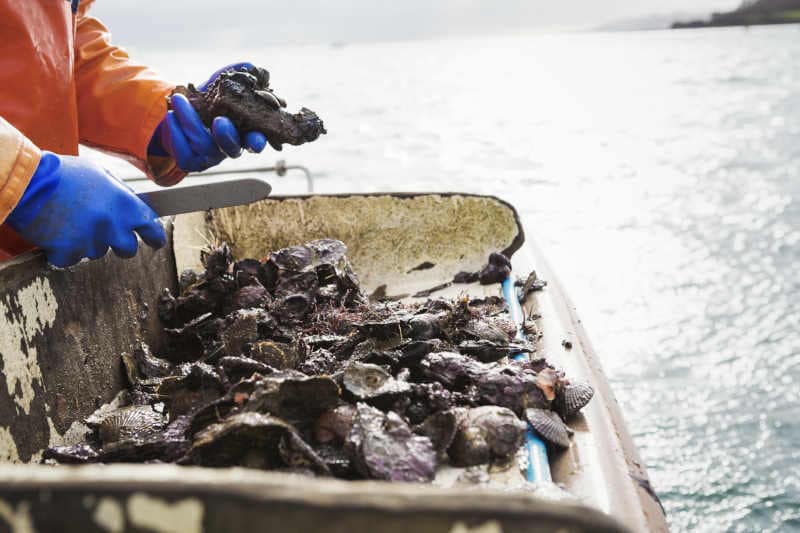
<point>538,464</point>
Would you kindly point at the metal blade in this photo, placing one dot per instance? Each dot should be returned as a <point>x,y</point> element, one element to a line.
<point>204,196</point>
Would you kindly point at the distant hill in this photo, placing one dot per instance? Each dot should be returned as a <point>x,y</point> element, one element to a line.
<point>751,13</point>
<point>657,21</point>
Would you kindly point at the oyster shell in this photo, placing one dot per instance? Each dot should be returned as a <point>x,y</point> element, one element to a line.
<point>497,270</point>
<point>371,382</point>
<point>510,386</point>
<point>243,94</point>
<point>250,439</point>
<point>293,396</point>
<point>335,424</point>
<point>382,446</point>
<point>485,434</point>
<point>488,351</point>
<point>441,428</point>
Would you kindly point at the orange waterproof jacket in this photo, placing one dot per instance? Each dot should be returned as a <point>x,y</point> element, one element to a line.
<point>62,83</point>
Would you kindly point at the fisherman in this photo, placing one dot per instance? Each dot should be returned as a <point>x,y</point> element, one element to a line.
<point>62,83</point>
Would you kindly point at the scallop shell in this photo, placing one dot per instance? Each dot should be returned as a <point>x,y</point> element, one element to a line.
<point>549,426</point>
<point>572,398</point>
<point>134,422</point>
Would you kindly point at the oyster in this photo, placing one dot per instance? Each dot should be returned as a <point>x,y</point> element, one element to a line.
<point>511,386</point>
<point>293,396</point>
<point>244,96</point>
<point>382,446</point>
<point>282,363</point>
<point>195,385</point>
<point>496,271</point>
<point>453,370</point>
<point>441,428</point>
<point>335,424</point>
<point>486,433</point>
<point>239,368</point>
<point>488,351</point>
<point>280,355</point>
<point>77,454</point>
<point>370,382</point>
<point>251,439</point>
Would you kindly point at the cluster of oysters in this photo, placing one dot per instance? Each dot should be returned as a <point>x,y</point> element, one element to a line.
<point>285,364</point>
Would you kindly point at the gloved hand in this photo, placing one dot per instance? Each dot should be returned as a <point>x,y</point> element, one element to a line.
<point>73,208</point>
<point>184,137</point>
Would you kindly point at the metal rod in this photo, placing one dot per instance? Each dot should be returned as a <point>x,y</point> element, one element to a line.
<point>538,465</point>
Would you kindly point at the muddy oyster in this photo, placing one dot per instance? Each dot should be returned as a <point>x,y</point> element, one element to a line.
<point>382,446</point>
<point>485,434</point>
<point>282,363</point>
<point>244,96</point>
<point>371,382</point>
<point>293,395</point>
<point>497,269</point>
<point>256,440</point>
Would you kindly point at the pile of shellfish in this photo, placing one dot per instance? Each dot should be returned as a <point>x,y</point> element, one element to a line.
<point>285,364</point>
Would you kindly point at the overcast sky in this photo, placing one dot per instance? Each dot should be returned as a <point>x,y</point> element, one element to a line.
<point>199,23</point>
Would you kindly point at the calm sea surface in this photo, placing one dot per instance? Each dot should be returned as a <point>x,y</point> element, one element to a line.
<point>661,172</point>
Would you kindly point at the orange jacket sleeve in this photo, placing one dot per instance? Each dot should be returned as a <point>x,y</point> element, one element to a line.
<point>19,158</point>
<point>119,103</point>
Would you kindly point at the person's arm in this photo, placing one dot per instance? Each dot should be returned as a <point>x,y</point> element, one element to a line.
<point>19,158</point>
<point>120,104</point>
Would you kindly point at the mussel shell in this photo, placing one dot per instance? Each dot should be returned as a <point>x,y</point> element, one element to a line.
<point>572,398</point>
<point>549,426</point>
<point>127,423</point>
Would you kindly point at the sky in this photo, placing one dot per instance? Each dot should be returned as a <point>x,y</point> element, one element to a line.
<point>193,23</point>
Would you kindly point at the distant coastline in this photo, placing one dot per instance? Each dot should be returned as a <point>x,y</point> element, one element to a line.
<point>750,13</point>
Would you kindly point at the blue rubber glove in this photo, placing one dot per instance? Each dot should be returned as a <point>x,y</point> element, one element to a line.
<point>73,208</point>
<point>184,137</point>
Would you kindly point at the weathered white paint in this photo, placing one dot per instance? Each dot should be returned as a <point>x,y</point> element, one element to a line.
<point>492,526</point>
<point>18,520</point>
<point>148,512</point>
<point>8,448</point>
<point>20,367</point>
<point>109,515</point>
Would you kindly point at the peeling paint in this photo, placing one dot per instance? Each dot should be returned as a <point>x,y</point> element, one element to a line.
<point>492,526</point>
<point>109,515</point>
<point>29,311</point>
<point>19,519</point>
<point>148,512</point>
<point>8,448</point>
